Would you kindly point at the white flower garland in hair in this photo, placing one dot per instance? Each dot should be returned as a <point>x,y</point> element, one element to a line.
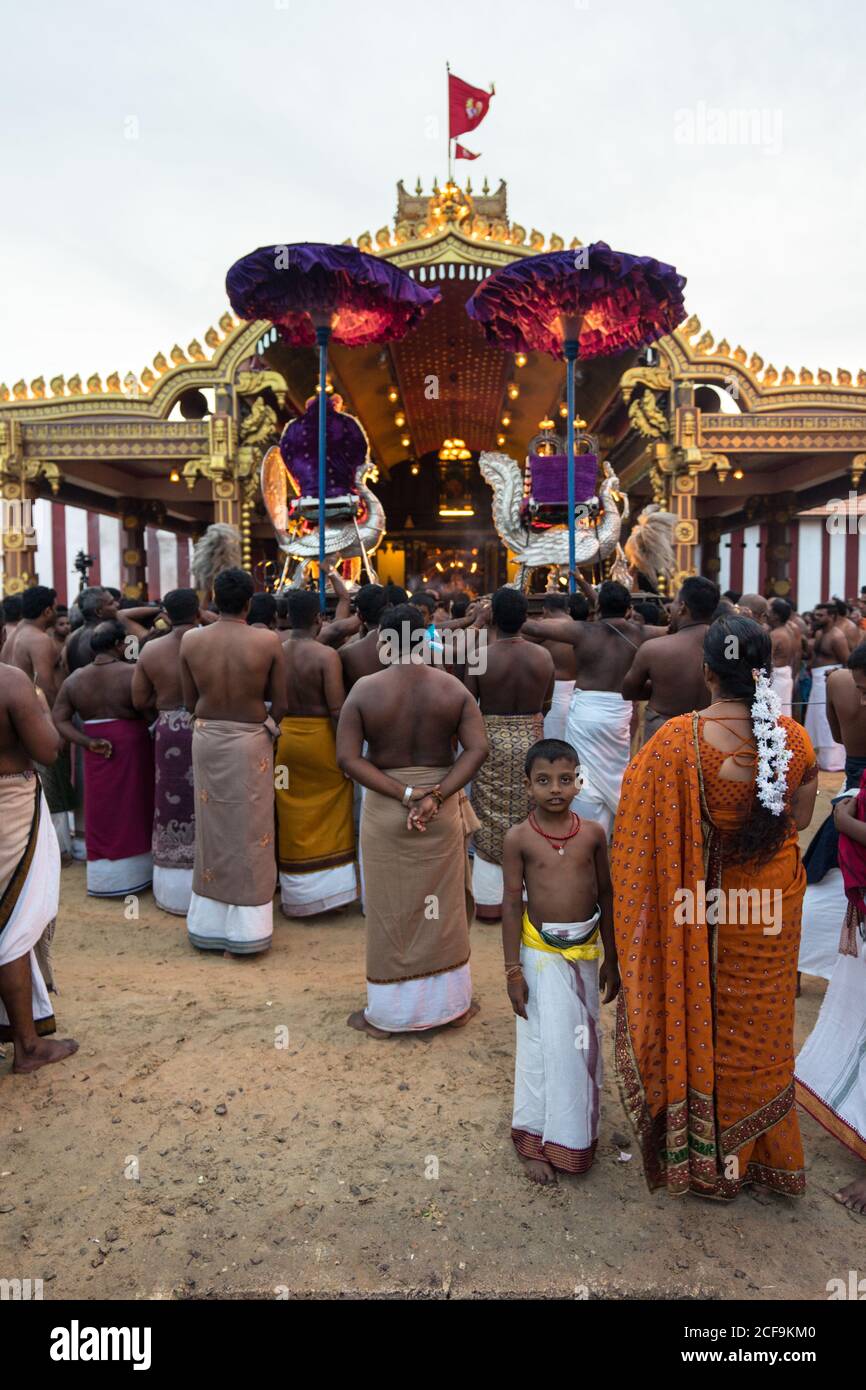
<point>773,751</point>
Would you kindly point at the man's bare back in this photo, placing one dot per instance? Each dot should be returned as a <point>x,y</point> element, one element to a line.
<point>603,650</point>
<point>564,663</point>
<point>518,679</point>
<point>668,672</point>
<point>846,711</point>
<point>102,690</point>
<point>410,715</point>
<point>786,647</point>
<point>35,652</point>
<point>314,678</point>
<point>27,734</point>
<point>229,670</point>
<point>157,680</point>
<point>360,658</point>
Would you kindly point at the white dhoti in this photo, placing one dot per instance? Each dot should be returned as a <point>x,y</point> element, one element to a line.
<point>556,719</point>
<point>558,1064</point>
<point>599,723</point>
<point>409,1005</point>
<point>782,681</point>
<point>216,926</point>
<point>824,908</point>
<point>830,1071</point>
<point>29,886</point>
<point>486,884</point>
<point>830,755</point>
<point>322,890</point>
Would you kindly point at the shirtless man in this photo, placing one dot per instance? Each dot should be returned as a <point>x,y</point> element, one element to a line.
<point>361,656</point>
<point>33,649</point>
<point>230,673</point>
<point>668,671</point>
<point>316,832</point>
<point>829,651</point>
<point>564,664</point>
<point>514,693</point>
<point>754,606</point>
<point>599,718</point>
<point>11,617</point>
<point>850,630</point>
<point>27,736</point>
<point>99,605</point>
<point>786,651</point>
<point>118,797</point>
<point>413,832</point>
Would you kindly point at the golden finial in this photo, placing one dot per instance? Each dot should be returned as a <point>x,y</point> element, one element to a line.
<point>178,356</point>
<point>19,391</point>
<point>771,376</point>
<point>383,237</point>
<point>485,187</point>
<point>861,377</point>
<point>130,381</point>
<point>843,377</point>
<point>38,388</point>
<point>226,323</point>
<point>705,342</point>
<point>756,362</point>
<point>94,385</point>
<point>212,338</point>
<point>468,185</point>
<point>160,363</point>
<point>740,355</point>
<point>723,349</point>
<point>112,383</point>
<point>556,242</point>
<point>418,187</point>
<point>365,242</point>
<point>196,351</point>
<point>690,327</point>
<point>825,378</point>
<point>58,385</point>
<point>147,378</point>
<point>787,376</point>
<point>536,240</point>
<point>4,391</point>
<point>806,377</point>
<point>575,243</point>
<point>74,385</point>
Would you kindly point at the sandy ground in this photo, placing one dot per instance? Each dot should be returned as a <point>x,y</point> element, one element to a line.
<point>223,1133</point>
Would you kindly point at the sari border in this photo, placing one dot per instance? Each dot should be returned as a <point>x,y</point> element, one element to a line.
<point>14,887</point>
<point>830,1119</point>
<point>752,1126</point>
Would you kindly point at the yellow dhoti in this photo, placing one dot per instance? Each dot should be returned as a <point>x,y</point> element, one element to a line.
<point>316,832</point>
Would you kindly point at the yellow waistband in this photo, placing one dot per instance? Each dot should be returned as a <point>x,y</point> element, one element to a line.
<point>589,951</point>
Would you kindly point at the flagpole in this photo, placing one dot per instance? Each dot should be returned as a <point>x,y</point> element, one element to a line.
<point>448,108</point>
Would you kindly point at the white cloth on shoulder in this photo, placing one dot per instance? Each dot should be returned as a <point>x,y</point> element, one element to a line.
<point>830,755</point>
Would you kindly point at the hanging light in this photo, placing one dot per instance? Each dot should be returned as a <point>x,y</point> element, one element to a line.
<point>506,420</point>
<point>520,359</point>
<point>174,476</point>
<point>399,419</point>
<point>393,395</point>
<point>513,390</point>
<point>406,441</point>
<point>500,440</point>
<point>414,470</point>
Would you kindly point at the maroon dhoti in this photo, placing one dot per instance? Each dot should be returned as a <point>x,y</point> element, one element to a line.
<point>118,808</point>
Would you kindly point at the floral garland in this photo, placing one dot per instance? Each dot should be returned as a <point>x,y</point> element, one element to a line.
<point>774,754</point>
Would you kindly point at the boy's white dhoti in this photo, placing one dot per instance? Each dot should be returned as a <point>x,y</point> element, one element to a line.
<point>558,1064</point>
<point>830,1072</point>
<point>782,681</point>
<point>556,719</point>
<point>830,755</point>
<point>599,723</point>
<point>29,886</point>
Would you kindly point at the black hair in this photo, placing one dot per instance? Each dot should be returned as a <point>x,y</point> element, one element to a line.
<point>404,620</point>
<point>304,608</point>
<point>263,609</point>
<point>426,598</point>
<point>555,603</point>
<point>840,606</point>
<point>733,648</point>
<point>107,635</point>
<point>12,609</point>
<point>181,605</point>
<point>370,603</point>
<point>61,610</point>
<point>394,594</point>
<point>857,659</point>
<point>233,589</point>
<point>651,611</point>
<point>554,750</point>
<point>733,595</point>
<point>701,597</point>
<point>782,609</point>
<point>282,607</point>
<point>115,593</point>
<point>578,607</point>
<point>509,610</point>
<point>35,601</point>
<point>459,605</point>
<point>614,599</point>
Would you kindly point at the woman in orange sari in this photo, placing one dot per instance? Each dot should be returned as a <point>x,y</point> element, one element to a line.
<point>708,893</point>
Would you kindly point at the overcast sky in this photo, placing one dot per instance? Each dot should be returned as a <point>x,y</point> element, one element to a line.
<point>146,146</point>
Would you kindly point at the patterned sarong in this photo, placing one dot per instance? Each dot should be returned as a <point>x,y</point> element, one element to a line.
<point>499,797</point>
<point>174,796</point>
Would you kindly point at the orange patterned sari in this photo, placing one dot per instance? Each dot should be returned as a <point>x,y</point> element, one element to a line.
<point>705,1020</point>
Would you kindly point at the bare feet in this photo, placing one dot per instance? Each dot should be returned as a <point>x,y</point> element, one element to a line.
<point>853,1196</point>
<point>539,1170</point>
<point>46,1051</point>
<point>462,1021</point>
<point>357,1020</point>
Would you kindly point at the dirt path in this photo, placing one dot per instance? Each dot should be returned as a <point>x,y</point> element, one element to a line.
<point>184,1151</point>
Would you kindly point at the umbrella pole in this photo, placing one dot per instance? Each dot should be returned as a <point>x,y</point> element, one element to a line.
<point>323,333</point>
<point>570,347</point>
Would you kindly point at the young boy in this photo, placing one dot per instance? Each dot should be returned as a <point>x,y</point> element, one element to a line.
<point>551,948</point>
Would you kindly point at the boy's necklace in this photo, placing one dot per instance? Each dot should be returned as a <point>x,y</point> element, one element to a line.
<point>557,842</point>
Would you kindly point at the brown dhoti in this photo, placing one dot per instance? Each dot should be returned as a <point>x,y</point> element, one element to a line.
<point>652,722</point>
<point>235,866</point>
<point>418,908</point>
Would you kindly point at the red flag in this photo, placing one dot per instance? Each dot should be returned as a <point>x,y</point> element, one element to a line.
<point>461,152</point>
<point>467,106</point>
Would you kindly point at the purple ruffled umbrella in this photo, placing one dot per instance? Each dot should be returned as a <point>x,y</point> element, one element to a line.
<point>592,302</point>
<point>312,292</point>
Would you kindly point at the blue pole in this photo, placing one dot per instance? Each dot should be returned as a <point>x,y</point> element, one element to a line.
<point>570,347</point>
<point>322,335</point>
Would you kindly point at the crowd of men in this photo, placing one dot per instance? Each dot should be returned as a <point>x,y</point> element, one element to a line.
<point>218,753</point>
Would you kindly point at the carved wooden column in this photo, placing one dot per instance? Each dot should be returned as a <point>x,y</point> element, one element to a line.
<point>711,562</point>
<point>18,536</point>
<point>684,491</point>
<point>133,554</point>
<point>779,545</point>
